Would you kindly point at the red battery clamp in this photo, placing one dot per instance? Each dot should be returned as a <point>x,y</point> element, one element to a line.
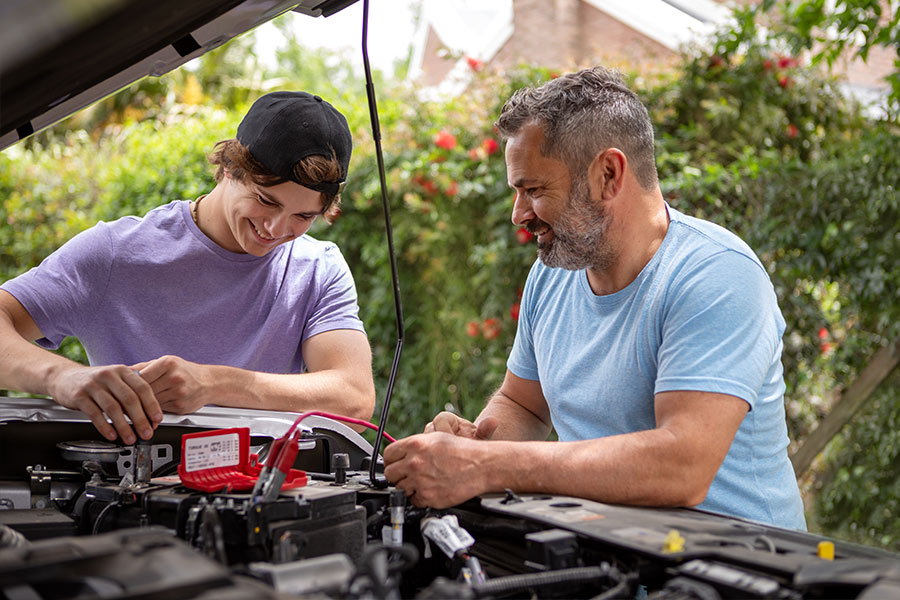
<point>212,461</point>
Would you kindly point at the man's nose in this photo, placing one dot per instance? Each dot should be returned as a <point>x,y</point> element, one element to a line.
<point>522,210</point>
<point>279,225</point>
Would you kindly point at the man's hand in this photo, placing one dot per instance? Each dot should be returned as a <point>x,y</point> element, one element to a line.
<point>447,422</point>
<point>177,383</point>
<point>436,469</point>
<point>112,391</point>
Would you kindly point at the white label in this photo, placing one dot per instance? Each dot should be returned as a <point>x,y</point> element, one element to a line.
<point>211,452</point>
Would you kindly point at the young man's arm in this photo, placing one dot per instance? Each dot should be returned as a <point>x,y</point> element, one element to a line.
<point>671,465</point>
<point>111,391</point>
<point>339,380</point>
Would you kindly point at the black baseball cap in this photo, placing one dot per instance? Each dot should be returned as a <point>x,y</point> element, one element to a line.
<point>282,128</point>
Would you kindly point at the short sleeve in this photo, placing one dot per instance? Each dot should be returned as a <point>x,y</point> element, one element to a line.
<point>336,306</point>
<point>722,329</point>
<point>522,362</point>
<point>62,291</point>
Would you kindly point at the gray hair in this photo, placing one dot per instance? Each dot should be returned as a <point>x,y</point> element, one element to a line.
<point>583,114</point>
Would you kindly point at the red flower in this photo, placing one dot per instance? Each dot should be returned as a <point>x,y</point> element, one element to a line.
<point>768,65</point>
<point>716,61</point>
<point>472,329</point>
<point>444,139</point>
<point>491,328</point>
<point>452,189</point>
<point>429,186</point>
<point>792,130</point>
<point>523,235</point>
<point>473,154</point>
<point>825,347</point>
<point>786,62</point>
<point>823,333</point>
<point>514,311</point>
<point>490,145</point>
<point>474,63</point>
<point>554,74</point>
<point>784,81</point>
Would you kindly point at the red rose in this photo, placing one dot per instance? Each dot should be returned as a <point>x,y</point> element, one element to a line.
<point>823,333</point>
<point>444,139</point>
<point>523,235</point>
<point>768,65</point>
<point>490,145</point>
<point>792,130</point>
<point>474,63</point>
<point>473,154</point>
<point>514,311</point>
<point>784,81</point>
<point>472,329</point>
<point>452,189</point>
<point>825,347</point>
<point>491,328</point>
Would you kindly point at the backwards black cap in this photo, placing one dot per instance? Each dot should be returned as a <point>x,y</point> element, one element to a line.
<point>282,128</point>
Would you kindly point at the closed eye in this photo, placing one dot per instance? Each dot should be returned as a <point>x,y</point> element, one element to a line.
<point>264,201</point>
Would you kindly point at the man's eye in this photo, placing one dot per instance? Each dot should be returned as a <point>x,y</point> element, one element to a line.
<point>264,202</point>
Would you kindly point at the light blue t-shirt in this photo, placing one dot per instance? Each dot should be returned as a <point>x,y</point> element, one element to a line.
<point>138,288</point>
<point>702,315</point>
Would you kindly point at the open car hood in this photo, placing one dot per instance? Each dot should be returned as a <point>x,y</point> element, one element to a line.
<point>59,56</point>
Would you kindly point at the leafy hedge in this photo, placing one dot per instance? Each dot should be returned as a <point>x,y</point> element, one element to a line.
<point>751,139</point>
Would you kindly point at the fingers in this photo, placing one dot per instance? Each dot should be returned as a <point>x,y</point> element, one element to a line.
<point>110,396</point>
<point>147,398</point>
<point>447,422</point>
<point>486,428</point>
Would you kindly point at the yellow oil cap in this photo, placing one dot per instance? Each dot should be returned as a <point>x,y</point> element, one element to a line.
<point>673,542</point>
<point>826,550</point>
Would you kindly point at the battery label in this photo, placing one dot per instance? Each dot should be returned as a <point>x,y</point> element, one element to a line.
<point>211,452</point>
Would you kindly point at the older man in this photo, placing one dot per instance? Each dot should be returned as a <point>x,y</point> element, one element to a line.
<point>650,340</point>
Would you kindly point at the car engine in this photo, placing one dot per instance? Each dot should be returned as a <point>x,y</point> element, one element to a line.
<point>187,515</point>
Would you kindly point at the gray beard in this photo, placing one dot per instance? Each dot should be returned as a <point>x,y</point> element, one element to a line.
<point>580,238</point>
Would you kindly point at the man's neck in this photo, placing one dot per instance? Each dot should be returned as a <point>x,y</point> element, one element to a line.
<point>638,227</point>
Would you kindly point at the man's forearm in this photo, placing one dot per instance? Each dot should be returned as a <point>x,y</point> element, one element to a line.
<point>514,421</point>
<point>333,391</point>
<point>644,468</point>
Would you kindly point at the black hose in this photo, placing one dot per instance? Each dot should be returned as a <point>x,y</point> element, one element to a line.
<point>524,581</point>
<point>102,515</point>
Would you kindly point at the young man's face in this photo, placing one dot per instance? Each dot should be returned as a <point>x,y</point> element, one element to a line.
<point>571,228</point>
<point>260,218</point>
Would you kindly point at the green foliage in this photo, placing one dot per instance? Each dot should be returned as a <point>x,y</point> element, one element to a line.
<point>836,29</point>
<point>859,498</point>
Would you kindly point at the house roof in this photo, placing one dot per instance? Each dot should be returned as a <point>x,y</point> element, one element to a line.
<point>477,29</point>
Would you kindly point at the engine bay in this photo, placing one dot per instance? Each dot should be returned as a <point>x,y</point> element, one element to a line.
<point>81,517</point>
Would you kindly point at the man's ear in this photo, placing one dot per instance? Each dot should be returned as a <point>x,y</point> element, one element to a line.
<point>607,173</point>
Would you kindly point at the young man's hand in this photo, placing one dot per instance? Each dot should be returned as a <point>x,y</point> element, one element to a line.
<point>113,391</point>
<point>176,383</point>
<point>448,422</point>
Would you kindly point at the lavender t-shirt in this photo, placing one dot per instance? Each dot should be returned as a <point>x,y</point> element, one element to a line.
<point>139,288</point>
